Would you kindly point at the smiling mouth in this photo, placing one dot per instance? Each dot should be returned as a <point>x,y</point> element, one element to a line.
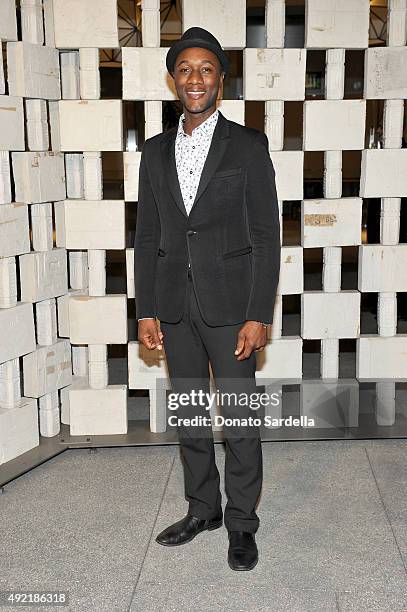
<point>195,94</point>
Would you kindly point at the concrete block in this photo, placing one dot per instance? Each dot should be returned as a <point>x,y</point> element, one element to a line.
<point>383,173</point>
<point>98,412</point>
<point>39,177</point>
<point>145,366</point>
<point>274,124</point>
<point>49,30</point>
<point>98,320</point>
<point>130,273</point>
<point>330,404</point>
<point>47,369</point>
<point>5,182</point>
<point>275,23</point>
<point>8,20</point>
<point>19,429</point>
<point>86,24</point>
<point>11,124</point>
<point>33,71</point>
<point>332,184</point>
<point>234,110</point>
<point>291,271</point>
<point>74,175</point>
<point>281,358</point>
<point>151,27</point>
<point>331,125</point>
<point>91,125</point>
<point>92,175</point>
<point>70,79</point>
<point>330,315</point>
<point>41,225</point>
<point>145,76</point>
<point>63,312</point>
<point>89,73</point>
<point>17,329</point>
<point>43,275</point>
<point>14,230</point>
<point>274,74</point>
<point>95,224</point>
<point>32,21</point>
<point>385,73</point>
<point>337,23</point>
<point>131,175</point>
<point>331,222</point>
<point>378,357</point>
<point>37,125</point>
<point>335,74</point>
<point>393,121</point>
<point>2,81</point>
<point>382,268</point>
<point>289,169</point>
<point>226,19</point>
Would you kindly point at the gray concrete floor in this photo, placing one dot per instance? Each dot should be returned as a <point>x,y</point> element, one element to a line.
<point>332,534</point>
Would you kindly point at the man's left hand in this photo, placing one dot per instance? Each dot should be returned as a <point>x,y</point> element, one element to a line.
<point>252,336</point>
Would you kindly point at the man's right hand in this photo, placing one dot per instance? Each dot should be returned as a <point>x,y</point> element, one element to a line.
<point>150,334</point>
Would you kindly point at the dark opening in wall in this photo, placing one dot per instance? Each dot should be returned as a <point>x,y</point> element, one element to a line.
<point>351,162</point>
<point>115,271</point>
<point>313,174</point>
<point>133,125</point>
<point>371,220</point>
<point>349,268</point>
<point>255,114</point>
<point>313,262</point>
<point>291,315</point>
<point>347,358</point>
<point>111,82</point>
<point>401,312</point>
<point>291,220</point>
<point>354,73</point>
<point>113,175</point>
<point>374,124</point>
<point>368,313</point>
<point>403,220</point>
<point>311,359</point>
<point>315,74</point>
<point>293,122</point>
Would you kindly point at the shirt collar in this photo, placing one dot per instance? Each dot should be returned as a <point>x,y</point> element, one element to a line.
<point>206,127</point>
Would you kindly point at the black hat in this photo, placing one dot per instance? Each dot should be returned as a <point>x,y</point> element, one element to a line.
<point>197,37</point>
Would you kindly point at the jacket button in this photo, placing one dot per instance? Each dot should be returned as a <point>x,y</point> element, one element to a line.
<point>190,232</point>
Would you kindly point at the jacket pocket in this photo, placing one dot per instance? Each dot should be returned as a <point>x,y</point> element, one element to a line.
<point>161,253</point>
<point>228,172</point>
<point>236,252</point>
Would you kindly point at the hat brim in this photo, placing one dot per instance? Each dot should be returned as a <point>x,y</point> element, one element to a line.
<point>180,45</point>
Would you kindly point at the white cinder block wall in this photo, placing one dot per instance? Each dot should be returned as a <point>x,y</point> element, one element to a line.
<point>53,129</point>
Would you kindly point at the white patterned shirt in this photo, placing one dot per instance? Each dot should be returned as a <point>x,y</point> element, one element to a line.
<point>190,156</point>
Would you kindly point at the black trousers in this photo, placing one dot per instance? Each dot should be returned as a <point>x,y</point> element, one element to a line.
<point>190,345</point>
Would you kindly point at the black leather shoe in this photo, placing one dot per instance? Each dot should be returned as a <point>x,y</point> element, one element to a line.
<point>242,553</point>
<point>187,528</point>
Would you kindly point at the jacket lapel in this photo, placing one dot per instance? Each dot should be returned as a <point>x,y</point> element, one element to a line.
<point>217,149</point>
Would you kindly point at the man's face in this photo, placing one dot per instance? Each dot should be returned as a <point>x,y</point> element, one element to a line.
<point>198,79</point>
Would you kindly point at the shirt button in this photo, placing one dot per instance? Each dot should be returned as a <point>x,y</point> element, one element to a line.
<point>193,146</point>
<point>190,197</point>
<point>190,172</point>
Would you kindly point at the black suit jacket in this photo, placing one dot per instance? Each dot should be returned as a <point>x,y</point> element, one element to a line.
<point>231,236</point>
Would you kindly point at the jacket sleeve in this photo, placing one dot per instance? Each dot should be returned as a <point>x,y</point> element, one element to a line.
<point>146,243</point>
<point>264,225</point>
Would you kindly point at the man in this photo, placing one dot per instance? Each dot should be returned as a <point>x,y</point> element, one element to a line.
<point>207,260</point>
